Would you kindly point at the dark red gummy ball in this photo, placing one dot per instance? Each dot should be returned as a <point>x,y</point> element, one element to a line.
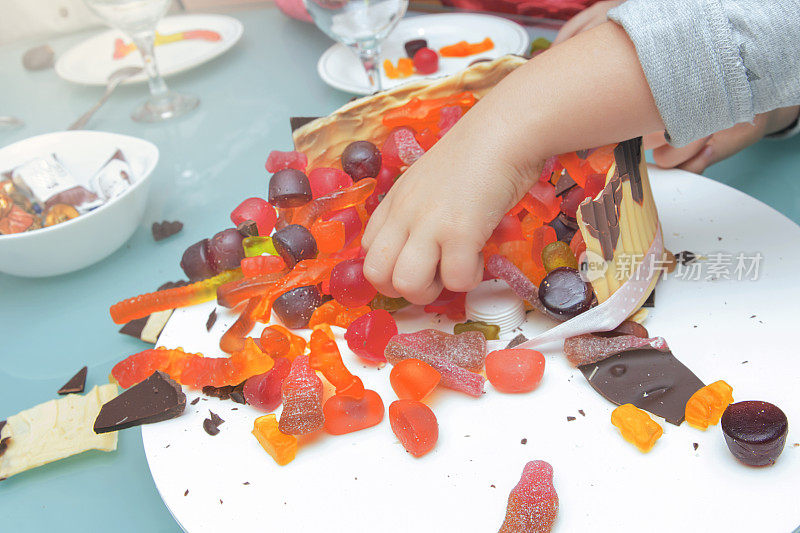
<point>196,263</point>
<point>755,431</point>
<point>289,188</point>
<point>295,243</point>
<point>426,61</point>
<point>296,306</point>
<point>348,285</point>
<point>361,159</point>
<point>564,293</point>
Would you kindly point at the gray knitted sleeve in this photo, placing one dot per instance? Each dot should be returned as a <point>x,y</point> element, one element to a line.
<point>711,64</point>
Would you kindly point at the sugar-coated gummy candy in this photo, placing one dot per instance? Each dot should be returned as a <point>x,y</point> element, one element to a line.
<point>282,447</point>
<point>558,254</point>
<point>345,414</point>
<point>401,148</point>
<point>706,406</point>
<point>259,211</point>
<point>295,243</point>
<point>448,118</point>
<point>755,432</point>
<point>515,370</point>
<point>296,306</point>
<point>414,425</point>
<point>564,293</point>
<point>302,400</point>
<point>500,267</point>
<point>591,348</point>
<point>325,180</point>
<point>467,349</point>
<point>429,347</point>
<point>490,331</point>
<point>361,159</point>
<point>289,188</point>
<point>533,502</point>
<point>636,426</point>
<point>412,379</point>
<point>368,335</point>
<point>348,285</point>
<point>263,391</point>
<point>278,160</point>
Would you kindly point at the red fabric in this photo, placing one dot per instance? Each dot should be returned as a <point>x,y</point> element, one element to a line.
<point>554,9</point>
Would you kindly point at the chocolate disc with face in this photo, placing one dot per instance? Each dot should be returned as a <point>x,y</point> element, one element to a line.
<point>649,379</point>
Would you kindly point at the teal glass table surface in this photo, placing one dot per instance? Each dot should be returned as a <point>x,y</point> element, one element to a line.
<point>210,160</point>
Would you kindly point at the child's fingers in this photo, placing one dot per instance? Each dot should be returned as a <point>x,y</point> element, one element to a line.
<point>461,266</point>
<point>670,157</point>
<point>382,256</point>
<point>375,223</point>
<point>414,274</point>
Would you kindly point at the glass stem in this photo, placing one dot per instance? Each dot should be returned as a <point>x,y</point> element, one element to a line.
<point>370,56</point>
<point>145,42</point>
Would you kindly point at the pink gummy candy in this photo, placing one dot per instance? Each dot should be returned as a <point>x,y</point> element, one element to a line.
<point>448,117</point>
<point>302,400</point>
<point>295,9</point>
<point>401,148</point>
<point>324,180</point>
<point>369,334</point>
<point>257,210</point>
<point>264,390</point>
<point>501,267</point>
<point>443,352</point>
<point>588,348</point>
<point>278,160</point>
<point>533,503</point>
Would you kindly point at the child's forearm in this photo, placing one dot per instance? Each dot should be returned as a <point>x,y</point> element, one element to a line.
<point>588,91</point>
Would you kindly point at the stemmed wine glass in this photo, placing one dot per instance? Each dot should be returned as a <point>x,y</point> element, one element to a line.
<point>360,24</point>
<point>138,19</point>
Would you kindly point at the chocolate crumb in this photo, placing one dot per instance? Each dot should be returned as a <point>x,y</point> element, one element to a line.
<point>570,418</point>
<point>745,362</point>
<point>167,446</point>
<point>466,435</point>
<point>238,396</point>
<point>194,402</point>
<point>220,501</point>
<point>695,445</point>
<point>248,228</point>
<point>719,238</point>
<point>246,483</point>
<point>76,383</point>
<point>493,486</point>
<point>524,441</point>
<point>796,444</point>
<point>582,413</point>
<point>162,230</point>
<point>234,408</point>
<point>216,419</point>
<point>186,493</point>
<point>212,318</point>
<point>752,316</point>
<point>210,428</point>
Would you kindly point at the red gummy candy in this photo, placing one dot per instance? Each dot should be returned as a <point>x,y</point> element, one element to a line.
<point>508,229</point>
<point>302,400</point>
<point>451,304</point>
<point>544,203</point>
<point>533,503</point>
<point>571,199</point>
<point>278,160</point>
<point>259,211</point>
<point>401,148</point>
<point>325,180</point>
<point>345,414</point>
<point>369,334</point>
<point>413,379</point>
<point>426,139</point>
<point>426,61</point>
<point>601,158</point>
<point>261,265</point>
<point>550,168</point>
<point>348,285</point>
<point>352,222</point>
<point>264,390</point>
<point>577,168</point>
<point>415,426</point>
<point>589,348</point>
<point>515,370</point>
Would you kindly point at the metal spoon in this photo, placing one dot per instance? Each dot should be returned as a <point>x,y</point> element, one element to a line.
<point>116,77</point>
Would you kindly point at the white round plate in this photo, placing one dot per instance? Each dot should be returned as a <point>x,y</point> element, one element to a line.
<point>92,61</point>
<point>340,68</point>
<point>741,331</point>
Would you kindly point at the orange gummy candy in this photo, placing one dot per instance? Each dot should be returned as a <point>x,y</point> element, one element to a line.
<point>345,414</point>
<point>325,358</point>
<point>280,446</point>
<point>335,314</point>
<point>464,49</point>
<point>636,426</point>
<point>413,379</point>
<point>414,425</point>
<point>514,370</point>
<point>706,406</point>
<point>234,292</point>
<point>194,293</point>
<point>419,114</point>
<point>271,343</point>
<point>233,339</point>
<point>329,235</point>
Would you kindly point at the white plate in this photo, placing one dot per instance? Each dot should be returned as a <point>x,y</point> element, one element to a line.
<point>340,68</point>
<point>92,61</point>
<point>366,482</point>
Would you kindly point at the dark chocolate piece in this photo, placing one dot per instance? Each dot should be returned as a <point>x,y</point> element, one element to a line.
<point>628,155</point>
<point>695,445</point>
<point>564,183</point>
<point>4,445</point>
<point>298,122</point>
<point>194,402</point>
<point>561,225</point>
<point>134,327</point>
<point>172,285</point>
<point>238,397</point>
<point>479,60</point>
<point>524,441</point>
<point>581,411</point>
<point>602,217</point>
<point>651,299</point>
<point>2,425</point>
<point>570,418</point>
<point>248,228</point>
<point>755,431</point>
<point>155,399</point>
<point>211,424</point>
<point>650,379</point>
<point>215,418</point>
<point>516,341</point>
<point>186,493</point>
<point>685,257</point>
<point>76,383</point>
<point>212,319</point>
<point>414,46</point>
<point>162,230</point>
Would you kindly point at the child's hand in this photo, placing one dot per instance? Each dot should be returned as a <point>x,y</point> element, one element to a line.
<point>590,17</point>
<point>701,154</point>
<point>429,230</point>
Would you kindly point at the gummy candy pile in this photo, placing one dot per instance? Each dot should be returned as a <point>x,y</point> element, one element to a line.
<point>420,59</point>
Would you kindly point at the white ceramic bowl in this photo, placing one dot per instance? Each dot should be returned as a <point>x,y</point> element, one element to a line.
<point>86,239</point>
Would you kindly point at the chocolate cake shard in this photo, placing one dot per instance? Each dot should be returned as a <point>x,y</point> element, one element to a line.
<point>76,384</point>
<point>652,380</point>
<point>134,327</point>
<point>155,399</point>
<point>601,216</point>
<point>299,122</point>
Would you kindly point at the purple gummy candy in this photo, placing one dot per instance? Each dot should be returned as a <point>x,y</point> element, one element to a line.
<point>501,267</point>
<point>302,400</point>
<point>589,348</point>
<point>434,349</point>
